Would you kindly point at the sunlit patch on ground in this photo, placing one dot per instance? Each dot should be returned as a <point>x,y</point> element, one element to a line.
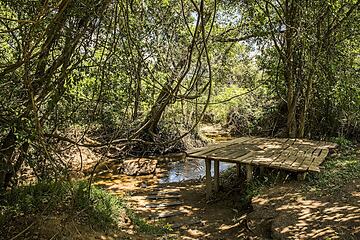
<point>295,216</point>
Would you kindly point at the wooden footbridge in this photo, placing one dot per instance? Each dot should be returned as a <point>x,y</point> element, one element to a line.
<point>296,155</point>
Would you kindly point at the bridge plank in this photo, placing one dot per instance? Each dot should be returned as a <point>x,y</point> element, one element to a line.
<point>297,155</point>
<point>214,147</point>
<point>282,155</point>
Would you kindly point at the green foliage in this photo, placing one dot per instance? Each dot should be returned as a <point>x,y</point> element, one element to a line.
<point>221,110</point>
<point>256,185</point>
<point>343,143</point>
<point>37,197</point>
<point>338,171</point>
<point>144,69</point>
<point>324,57</point>
<point>240,109</point>
<point>145,227</point>
<point>98,208</point>
<point>270,178</point>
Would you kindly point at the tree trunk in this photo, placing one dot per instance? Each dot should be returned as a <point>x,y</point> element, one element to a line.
<point>14,168</point>
<point>305,107</point>
<point>289,72</point>
<point>165,97</point>
<point>154,116</point>
<point>6,152</point>
<point>137,91</point>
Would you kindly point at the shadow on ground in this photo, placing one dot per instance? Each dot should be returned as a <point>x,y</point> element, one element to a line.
<point>287,213</point>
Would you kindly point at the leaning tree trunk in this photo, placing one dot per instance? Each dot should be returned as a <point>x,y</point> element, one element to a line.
<point>15,166</point>
<point>149,126</point>
<point>167,94</point>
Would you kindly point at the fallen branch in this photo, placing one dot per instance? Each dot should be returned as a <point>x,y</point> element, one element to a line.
<point>123,141</point>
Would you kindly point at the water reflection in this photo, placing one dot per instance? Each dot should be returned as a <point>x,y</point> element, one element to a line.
<point>189,169</point>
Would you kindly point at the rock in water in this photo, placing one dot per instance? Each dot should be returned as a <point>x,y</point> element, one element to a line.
<point>139,166</point>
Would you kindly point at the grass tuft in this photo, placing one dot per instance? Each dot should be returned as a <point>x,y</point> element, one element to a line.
<point>97,207</point>
<point>144,227</point>
<point>338,171</point>
<point>71,201</point>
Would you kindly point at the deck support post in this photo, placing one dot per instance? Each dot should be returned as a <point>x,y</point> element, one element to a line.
<point>249,173</point>
<point>301,176</point>
<point>216,175</point>
<point>261,170</point>
<point>208,178</point>
<point>238,170</point>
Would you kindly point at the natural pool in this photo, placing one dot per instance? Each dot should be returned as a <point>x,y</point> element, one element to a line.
<point>188,169</point>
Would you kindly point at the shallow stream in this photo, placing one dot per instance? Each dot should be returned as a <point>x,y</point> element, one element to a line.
<point>192,168</point>
<point>189,169</point>
<point>174,170</point>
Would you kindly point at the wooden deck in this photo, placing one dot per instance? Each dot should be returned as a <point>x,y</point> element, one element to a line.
<point>297,155</point>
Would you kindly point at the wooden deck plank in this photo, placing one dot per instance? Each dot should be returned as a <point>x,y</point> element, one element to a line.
<point>207,150</point>
<point>306,156</point>
<point>284,155</point>
<point>237,154</point>
<point>253,154</point>
<point>304,150</point>
<point>217,145</point>
<point>242,158</point>
<point>242,149</point>
<point>272,149</point>
<point>234,150</point>
<point>285,144</point>
<point>218,154</point>
<point>214,147</point>
<point>289,159</point>
<point>315,154</point>
<point>224,151</point>
<point>291,154</point>
<point>304,166</point>
<point>298,152</point>
<point>318,160</point>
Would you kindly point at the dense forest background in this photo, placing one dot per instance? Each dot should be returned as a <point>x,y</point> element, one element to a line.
<point>140,75</point>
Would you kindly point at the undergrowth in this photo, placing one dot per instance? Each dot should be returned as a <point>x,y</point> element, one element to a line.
<point>338,171</point>
<point>96,208</point>
<point>254,187</point>
<point>144,227</point>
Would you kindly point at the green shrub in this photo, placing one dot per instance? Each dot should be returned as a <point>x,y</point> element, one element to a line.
<point>144,227</point>
<point>344,144</point>
<point>338,171</point>
<point>35,198</point>
<point>97,207</point>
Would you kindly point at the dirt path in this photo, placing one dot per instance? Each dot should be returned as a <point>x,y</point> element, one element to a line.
<point>182,206</point>
<point>285,211</point>
<point>197,219</point>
